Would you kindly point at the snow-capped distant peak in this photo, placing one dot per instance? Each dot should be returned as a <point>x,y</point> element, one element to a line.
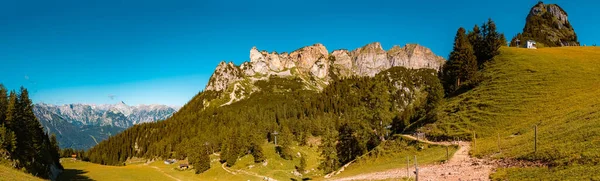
<point>92,114</point>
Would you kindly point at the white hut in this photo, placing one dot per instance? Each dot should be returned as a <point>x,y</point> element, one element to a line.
<point>531,44</point>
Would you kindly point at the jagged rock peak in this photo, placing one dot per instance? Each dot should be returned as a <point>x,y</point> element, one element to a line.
<point>375,46</point>
<point>224,74</point>
<point>316,62</point>
<point>549,25</point>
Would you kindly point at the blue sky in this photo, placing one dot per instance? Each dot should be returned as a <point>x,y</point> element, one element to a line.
<point>163,52</point>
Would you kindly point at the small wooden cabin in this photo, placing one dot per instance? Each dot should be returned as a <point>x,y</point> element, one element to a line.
<point>184,166</point>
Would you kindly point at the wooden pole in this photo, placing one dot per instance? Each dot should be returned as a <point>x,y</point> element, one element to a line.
<point>407,167</point>
<point>416,169</point>
<point>535,139</point>
<point>447,154</point>
<point>499,149</point>
<point>474,140</point>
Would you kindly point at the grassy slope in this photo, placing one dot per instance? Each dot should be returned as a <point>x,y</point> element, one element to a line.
<point>557,89</point>
<point>7,173</point>
<point>279,168</point>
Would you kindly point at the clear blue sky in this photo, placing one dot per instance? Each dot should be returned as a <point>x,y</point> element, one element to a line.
<point>146,52</point>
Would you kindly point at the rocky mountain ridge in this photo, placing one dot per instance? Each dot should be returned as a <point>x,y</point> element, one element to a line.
<point>317,67</point>
<point>119,115</point>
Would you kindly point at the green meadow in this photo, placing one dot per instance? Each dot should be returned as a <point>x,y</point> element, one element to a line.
<point>556,90</point>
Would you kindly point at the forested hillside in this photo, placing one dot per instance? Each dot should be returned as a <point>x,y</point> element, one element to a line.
<point>23,142</point>
<point>364,110</point>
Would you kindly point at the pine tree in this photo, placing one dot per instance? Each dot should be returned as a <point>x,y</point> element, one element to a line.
<point>8,142</point>
<point>197,156</point>
<point>492,43</point>
<point>502,40</point>
<point>462,65</point>
<point>476,39</point>
<point>55,149</point>
<point>329,162</point>
<point>3,103</point>
<point>349,146</point>
<point>379,106</point>
<point>12,117</point>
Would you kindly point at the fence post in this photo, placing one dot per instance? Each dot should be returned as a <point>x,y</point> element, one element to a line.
<point>474,140</point>
<point>407,167</point>
<point>416,169</point>
<point>499,149</point>
<point>535,139</point>
<point>447,154</point>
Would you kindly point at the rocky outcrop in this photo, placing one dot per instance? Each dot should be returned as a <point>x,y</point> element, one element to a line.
<point>549,24</point>
<point>227,73</point>
<point>314,63</point>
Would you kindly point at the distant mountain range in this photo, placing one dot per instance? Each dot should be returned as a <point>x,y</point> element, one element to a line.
<point>81,126</point>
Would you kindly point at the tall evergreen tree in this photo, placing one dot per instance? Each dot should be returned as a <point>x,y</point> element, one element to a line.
<point>379,106</point>
<point>329,162</point>
<point>476,39</point>
<point>198,156</point>
<point>462,65</point>
<point>491,43</point>
<point>348,147</point>
<point>11,113</point>
<point>3,103</point>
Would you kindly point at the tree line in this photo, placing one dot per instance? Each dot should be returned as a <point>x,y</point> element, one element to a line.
<point>23,142</point>
<point>471,51</point>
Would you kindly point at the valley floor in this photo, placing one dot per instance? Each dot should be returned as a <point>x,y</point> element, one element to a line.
<point>459,166</point>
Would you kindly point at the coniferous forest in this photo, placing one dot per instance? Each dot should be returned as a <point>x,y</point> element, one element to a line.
<point>23,142</point>
<point>360,109</point>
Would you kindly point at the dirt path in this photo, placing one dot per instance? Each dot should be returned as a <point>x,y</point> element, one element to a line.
<point>158,169</point>
<point>235,172</point>
<point>460,167</point>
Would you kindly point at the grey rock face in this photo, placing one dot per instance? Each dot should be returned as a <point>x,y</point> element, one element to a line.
<point>370,60</point>
<point>316,62</point>
<point>227,73</point>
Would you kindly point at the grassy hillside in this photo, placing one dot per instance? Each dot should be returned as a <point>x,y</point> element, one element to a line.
<point>7,173</point>
<point>556,89</point>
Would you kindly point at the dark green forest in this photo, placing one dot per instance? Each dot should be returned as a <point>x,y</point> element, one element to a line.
<point>364,110</point>
<point>23,142</point>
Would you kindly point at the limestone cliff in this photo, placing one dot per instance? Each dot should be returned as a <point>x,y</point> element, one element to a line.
<point>316,67</point>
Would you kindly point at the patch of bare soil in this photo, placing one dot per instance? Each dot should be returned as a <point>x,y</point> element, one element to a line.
<point>461,167</point>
